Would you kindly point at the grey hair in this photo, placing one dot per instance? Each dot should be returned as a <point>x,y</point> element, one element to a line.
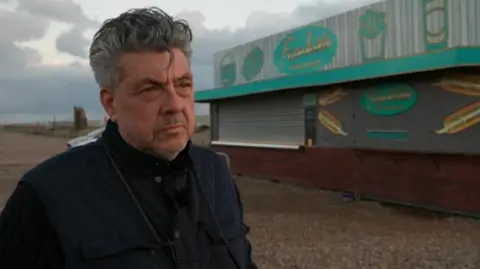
<point>137,30</point>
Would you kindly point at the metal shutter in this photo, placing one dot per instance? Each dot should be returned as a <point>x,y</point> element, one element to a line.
<point>276,118</point>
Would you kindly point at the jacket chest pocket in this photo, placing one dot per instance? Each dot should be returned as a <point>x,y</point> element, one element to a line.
<point>223,248</point>
<point>122,255</point>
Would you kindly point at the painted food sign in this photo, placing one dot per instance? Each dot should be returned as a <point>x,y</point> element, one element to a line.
<point>372,33</point>
<point>331,123</point>
<point>307,49</point>
<point>252,64</point>
<point>389,100</point>
<point>462,119</point>
<point>331,96</point>
<point>462,84</point>
<point>228,70</point>
<point>435,24</point>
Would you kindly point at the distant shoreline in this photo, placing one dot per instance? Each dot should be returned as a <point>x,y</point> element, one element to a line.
<point>42,118</point>
<point>33,119</point>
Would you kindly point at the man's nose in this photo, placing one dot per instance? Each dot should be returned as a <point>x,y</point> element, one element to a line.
<point>172,102</point>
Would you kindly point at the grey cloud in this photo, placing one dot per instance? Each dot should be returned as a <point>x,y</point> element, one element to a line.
<point>73,42</point>
<point>21,26</point>
<point>25,88</point>
<point>66,11</point>
<point>56,90</point>
<point>15,28</point>
<point>14,59</point>
<point>60,10</point>
<point>50,90</point>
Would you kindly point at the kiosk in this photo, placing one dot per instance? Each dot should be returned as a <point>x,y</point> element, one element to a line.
<point>382,101</point>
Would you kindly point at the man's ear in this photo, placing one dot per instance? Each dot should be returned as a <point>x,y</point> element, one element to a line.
<point>107,98</point>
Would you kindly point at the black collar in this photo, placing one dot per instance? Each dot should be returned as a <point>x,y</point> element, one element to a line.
<point>134,162</point>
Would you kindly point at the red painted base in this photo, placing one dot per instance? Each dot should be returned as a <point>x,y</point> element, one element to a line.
<point>448,182</point>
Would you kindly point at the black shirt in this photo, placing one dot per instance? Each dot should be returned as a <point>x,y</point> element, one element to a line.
<point>27,237</point>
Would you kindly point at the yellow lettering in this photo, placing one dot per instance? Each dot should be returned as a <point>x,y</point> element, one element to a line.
<point>392,96</point>
<point>286,49</point>
<point>309,40</point>
<point>321,44</point>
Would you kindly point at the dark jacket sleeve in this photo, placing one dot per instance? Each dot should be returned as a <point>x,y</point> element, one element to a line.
<point>27,238</point>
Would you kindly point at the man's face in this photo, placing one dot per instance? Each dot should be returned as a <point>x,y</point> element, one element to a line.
<point>154,103</point>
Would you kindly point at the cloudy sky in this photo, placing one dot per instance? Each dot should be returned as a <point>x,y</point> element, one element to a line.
<point>44,43</point>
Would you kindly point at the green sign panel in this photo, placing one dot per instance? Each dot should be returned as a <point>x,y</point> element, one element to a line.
<point>389,100</point>
<point>435,24</point>
<point>252,64</point>
<point>228,70</point>
<point>387,134</point>
<point>307,49</point>
<point>372,28</point>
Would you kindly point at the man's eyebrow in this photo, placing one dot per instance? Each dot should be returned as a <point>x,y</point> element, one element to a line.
<point>186,76</point>
<point>148,80</point>
<point>153,81</point>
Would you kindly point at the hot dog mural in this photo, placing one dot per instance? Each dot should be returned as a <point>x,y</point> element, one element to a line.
<point>331,123</point>
<point>331,96</point>
<point>465,84</point>
<point>460,120</point>
<point>435,113</point>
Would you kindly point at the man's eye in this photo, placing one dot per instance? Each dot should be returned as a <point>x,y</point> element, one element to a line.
<point>185,84</point>
<point>148,88</point>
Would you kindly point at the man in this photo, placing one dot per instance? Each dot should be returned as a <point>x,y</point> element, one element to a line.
<point>142,196</point>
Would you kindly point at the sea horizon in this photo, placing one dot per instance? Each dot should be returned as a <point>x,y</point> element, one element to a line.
<point>27,118</point>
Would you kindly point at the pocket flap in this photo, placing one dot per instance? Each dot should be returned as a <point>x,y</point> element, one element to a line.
<point>231,231</point>
<point>100,249</point>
